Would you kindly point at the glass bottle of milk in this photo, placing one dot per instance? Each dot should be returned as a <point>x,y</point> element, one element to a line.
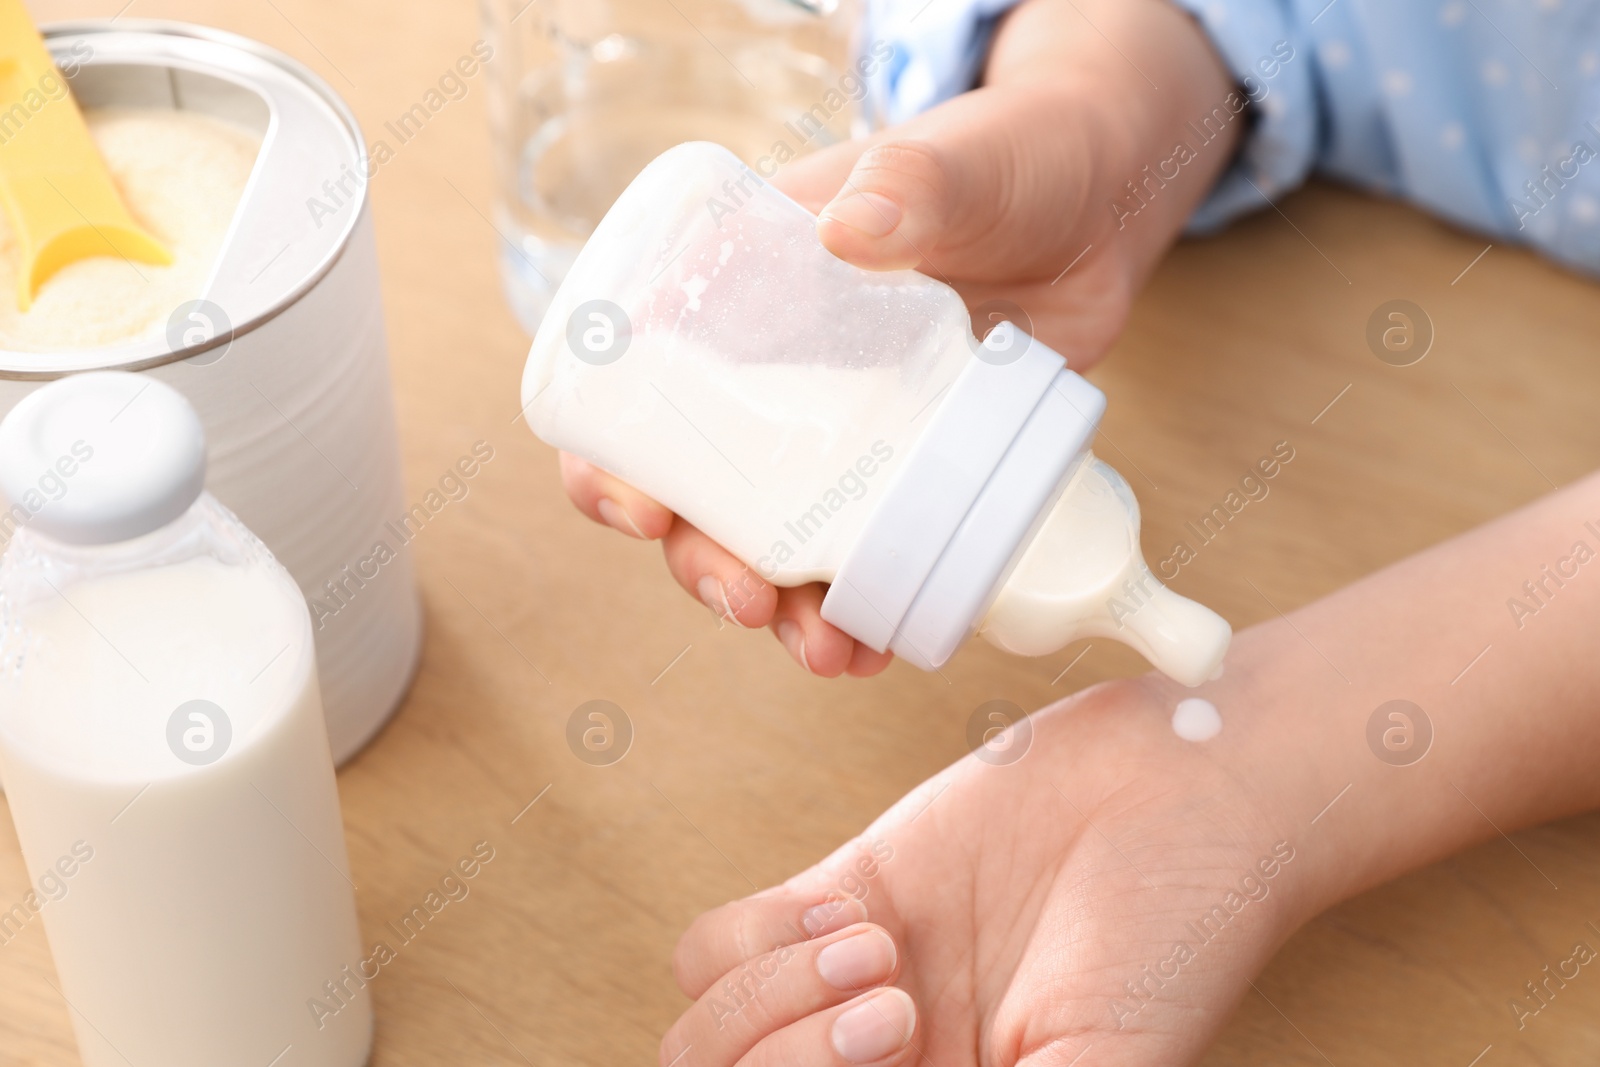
<point>827,423</point>
<point>163,749</point>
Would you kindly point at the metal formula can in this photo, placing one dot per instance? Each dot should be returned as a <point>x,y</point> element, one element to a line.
<point>284,355</point>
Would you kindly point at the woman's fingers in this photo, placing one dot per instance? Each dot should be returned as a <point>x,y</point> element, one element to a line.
<point>735,591</point>
<point>723,938</point>
<point>818,646</point>
<point>873,1030</point>
<point>968,186</point>
<point>828,897</point>
<point>864,662</point>
<point>816,178</point>
<point>703,567</point>
<point>611,501</point>
<point>718,578</point>
<point>769,993</point>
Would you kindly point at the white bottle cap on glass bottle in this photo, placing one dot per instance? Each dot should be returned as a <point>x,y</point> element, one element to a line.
<point>129,451</point>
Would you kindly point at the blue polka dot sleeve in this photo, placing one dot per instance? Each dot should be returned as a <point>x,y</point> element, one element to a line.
<point>1270,60</point>
<point>1485,112</point>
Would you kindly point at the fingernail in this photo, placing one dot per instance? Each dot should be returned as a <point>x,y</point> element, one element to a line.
<point>744,592</point>
<point>618,518</point>
<point>868,213</point>
<point>858,962</point>
<point>794,639</point>
<point>875,1028</point>
<point>834,914</point>
<point>713,596</point>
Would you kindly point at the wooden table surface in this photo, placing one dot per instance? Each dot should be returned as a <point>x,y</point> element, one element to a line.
<point>744,768</point>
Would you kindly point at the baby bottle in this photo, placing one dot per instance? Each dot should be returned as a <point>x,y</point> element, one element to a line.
<point>827,423</point>
<point>163,747</point>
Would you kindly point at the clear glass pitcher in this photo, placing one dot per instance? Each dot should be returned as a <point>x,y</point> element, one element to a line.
<point>584,93</point>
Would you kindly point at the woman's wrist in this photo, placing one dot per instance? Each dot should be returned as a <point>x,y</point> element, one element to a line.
<point>1410,715</point>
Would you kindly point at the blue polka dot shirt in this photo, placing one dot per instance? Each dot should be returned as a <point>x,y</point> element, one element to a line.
<point>1485,112</point>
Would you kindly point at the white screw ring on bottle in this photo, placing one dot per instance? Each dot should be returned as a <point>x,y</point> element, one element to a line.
<point>966,501</point>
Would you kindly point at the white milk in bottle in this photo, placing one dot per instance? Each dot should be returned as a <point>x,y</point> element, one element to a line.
<point>163,746</point>
<point>827,423</point>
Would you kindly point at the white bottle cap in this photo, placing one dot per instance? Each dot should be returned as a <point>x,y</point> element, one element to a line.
<point>101,457</point>
<point>965,503</point>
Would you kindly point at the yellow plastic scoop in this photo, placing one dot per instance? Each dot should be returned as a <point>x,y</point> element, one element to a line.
<point>54,186</point>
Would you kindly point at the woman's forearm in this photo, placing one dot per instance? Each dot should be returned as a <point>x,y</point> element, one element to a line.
<point>1491,636</point>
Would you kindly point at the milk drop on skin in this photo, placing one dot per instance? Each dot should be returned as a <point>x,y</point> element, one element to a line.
<point>217,897</point>
<point>1196,719</point>
<point>783,401</point>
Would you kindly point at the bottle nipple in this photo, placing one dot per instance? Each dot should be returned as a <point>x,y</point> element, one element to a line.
<point>1084,575</point>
